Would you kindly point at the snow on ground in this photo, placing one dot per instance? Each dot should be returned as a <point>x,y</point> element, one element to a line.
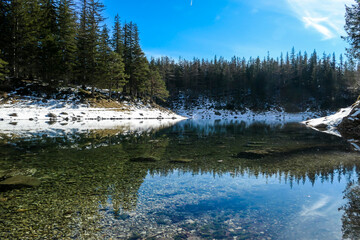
<point>28,116</point>
<point>59,110</point>
<point>25,128</point>
<point>204,108</point>
<point>331,122</point>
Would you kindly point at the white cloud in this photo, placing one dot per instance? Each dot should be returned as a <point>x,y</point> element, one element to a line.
<point>324,16</point>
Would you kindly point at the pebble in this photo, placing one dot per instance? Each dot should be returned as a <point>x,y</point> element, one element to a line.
<point>190,221</point>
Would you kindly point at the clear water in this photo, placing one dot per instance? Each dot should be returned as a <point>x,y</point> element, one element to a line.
<point>205,180</point>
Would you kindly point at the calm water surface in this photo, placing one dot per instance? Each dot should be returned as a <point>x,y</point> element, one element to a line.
<point>194,180</point>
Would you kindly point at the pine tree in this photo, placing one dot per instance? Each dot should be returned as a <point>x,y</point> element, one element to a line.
<point>5,29</point>
<point>19,36</point>
<point>88,41</point>
<point>156,85</point>
<point>67,40</point>
<point>127,54</point>
<point>48,51</point>
<point>28,35</point>
<point>136,64</point>
<point>103,58</point>
<point>118,38</point>
<point>140,65</point>
<point>3,70</point>
<point>352,28</point>
<point>117,76</point>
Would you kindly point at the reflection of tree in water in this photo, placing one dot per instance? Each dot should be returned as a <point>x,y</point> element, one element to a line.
<point>81,186</point>
<point>351,216</point>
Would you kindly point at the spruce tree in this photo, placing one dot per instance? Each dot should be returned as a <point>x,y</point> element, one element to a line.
<point>103,58</point>
<point>48,52</point>
<point>118,38</point>
<point>88,41</point>
<point>352,28</point>
<point>117,76</point>
<point>67,40</point>
<point>156,85</point>
<point>19,36</point>
<point>139,66</point>
<point>3,70</point>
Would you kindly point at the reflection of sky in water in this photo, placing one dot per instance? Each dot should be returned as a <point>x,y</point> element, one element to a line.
<point>303,211</point>
<point>292,191</point>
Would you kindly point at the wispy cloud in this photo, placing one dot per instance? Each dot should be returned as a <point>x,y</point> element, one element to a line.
<point>325,16</point>
<point>315,209</point>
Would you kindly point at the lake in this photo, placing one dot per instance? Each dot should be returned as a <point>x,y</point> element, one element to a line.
<point>200,179</point>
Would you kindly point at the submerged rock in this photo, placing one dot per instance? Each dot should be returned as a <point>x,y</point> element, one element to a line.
<point>15,172</point>
<point>144,159</point>
<point>20,181</point>
<point>255,154</point>
<point>286,151</point>
<point>181,160</point>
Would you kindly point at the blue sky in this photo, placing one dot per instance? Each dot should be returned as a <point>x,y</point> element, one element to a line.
<point>245,28</point>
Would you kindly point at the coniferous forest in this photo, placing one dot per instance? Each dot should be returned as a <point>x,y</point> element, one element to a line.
<point>296,81</point>
<point>66,43</point>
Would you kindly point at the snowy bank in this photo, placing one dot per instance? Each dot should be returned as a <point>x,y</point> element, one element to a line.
<point>66,112</point>
<point>58,110</point>
<point>344,123</point>
<point>205,108</point>
<point>329,124</point>
<point>26,129</point>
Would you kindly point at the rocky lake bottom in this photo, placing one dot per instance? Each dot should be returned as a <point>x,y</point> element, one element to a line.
<point>192,180</point>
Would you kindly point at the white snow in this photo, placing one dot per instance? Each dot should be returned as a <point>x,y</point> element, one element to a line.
<point>25,128</point>
<point>29,116</point>
<point>204,108</point>
<point>332,121</point>
<point>30,109</point>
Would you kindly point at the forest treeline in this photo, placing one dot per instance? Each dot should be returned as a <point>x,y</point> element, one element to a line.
<point>63,42</point>
<point>296,80</point>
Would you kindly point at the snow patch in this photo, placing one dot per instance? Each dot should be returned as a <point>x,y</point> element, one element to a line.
<point>331,122</point>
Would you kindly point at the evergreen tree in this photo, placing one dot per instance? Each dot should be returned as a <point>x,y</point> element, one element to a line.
<point>67,40</point>
<point>117,76</point>
<point>136,64</point>
<point>352,28</point>
<point>19,36</point>
<point>156,85</point>
<point>3,69</point>
<point>103,58</point>
<point>88,41</point>
<point>48,58</point>
<point>118,38</point>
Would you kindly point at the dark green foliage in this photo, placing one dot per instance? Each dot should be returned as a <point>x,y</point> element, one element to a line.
<point>88,39</point>
<point>67,41</point>
<point>156,85</point>
<point>44,40</point>
<point>3,69</point>
<point>118,37</point>
<point>117,77</point>
<point>136,64</point>
<point>48,57</point>
<point>295,81</point>
<point>352,28</point>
